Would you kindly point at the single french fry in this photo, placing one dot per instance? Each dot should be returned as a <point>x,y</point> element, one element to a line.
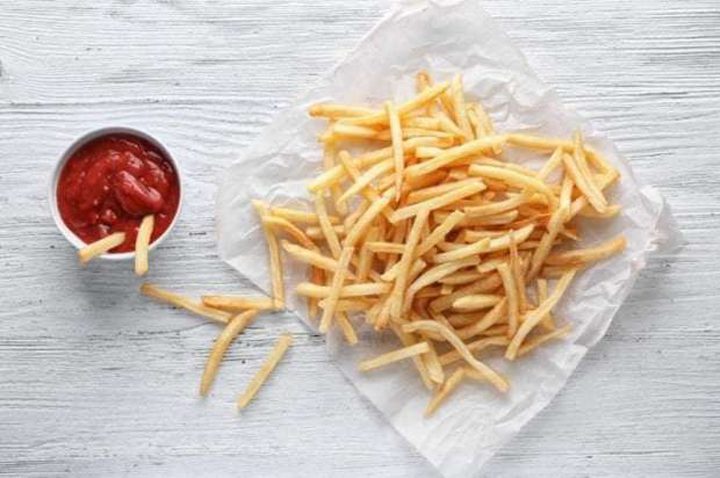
<point>498,207</point>
<point>185,303</point>
<point>546,243</point>
<point>427,325</point>
<point>236,304</point>
<point>582,257</point>
<point>335,288</point>
<point>516,266</point>
<point>398,292</point>
<point>346,327</point>
<point>329,155</point>
<point>419,195</point>
<point>312,257</point>
<point>381,118</point>
<point>383,247</point>
<point>514,178</point>
<point>348,291</point>
<point>454,154</point>
<point>423,81</point>
<point>280,223</point>
<point>328,232</point>
<point>437,202</point>
<point>443,391</point>
<point>533,318</point>
<point>508,281</point>
<point>335,111</point>
<point>461,277</point>
<point>432,362</point>
<point>276,266</point>
<point>458,100</point>
<point>394,356</point>
<point>299,217</point>
<point>476,302</point>
<point>396,138</point>
<point>142,244</point>
<point>548,322</point>
<point>100,247</point>
<point>236,325</point>
<point>535,342</point>
<point>262,375</point>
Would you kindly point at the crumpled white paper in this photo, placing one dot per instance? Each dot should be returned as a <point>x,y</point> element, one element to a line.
<point>445,38</point>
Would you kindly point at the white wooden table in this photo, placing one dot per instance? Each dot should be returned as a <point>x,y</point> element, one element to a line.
<point>98,381</point>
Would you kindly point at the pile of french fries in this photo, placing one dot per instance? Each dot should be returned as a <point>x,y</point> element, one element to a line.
<point>425,230</point>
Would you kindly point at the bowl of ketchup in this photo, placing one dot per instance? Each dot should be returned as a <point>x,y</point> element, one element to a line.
<point>107,181</point>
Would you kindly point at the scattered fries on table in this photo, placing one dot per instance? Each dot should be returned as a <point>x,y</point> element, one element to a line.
<point>425,230</point>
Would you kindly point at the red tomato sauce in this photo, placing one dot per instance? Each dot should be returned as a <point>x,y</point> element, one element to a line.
<point>111,182</point>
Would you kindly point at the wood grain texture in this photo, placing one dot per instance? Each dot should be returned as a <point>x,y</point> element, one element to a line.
<point>98,381</point>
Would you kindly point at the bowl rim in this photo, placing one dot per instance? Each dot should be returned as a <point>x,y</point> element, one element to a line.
<point>82,140</point>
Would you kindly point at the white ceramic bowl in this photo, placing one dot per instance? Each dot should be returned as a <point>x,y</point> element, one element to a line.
<point>77,144</point>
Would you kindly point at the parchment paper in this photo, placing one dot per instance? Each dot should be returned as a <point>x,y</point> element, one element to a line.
<point>445,38</point>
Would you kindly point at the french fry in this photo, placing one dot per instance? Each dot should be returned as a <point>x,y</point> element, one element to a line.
<point>548,321</point>
<point>458,101</point>
<point>100,247</point>
<point>236,304</point>
<point>535,342</point>
<point>185,303</point>
<point>335,288</point>
<point>433,365</point>
<point>347,329</point>
<point>275,262</point>
<point>331,238</point>
<point>513,178</point>
<point>476,302</point>
<point>282,224</point>
<point>236,325</point>
<point>443,391</point>
<point>533,318</point>
<point>452,155</point>
<point>398,292</point>
<point>582,257</point>
<point>348,291</point>
<point>394,356</point>
<point>299,217</point>
<point>381,119</point>
<point>437,202</point>
<point>142,244</point>
<point>396,138</point>
<point>508,281</point>
<point>335,111</point>
<point>267,368</point>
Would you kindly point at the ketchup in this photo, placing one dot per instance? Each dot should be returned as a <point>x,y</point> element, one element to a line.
<point>111,182</point>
